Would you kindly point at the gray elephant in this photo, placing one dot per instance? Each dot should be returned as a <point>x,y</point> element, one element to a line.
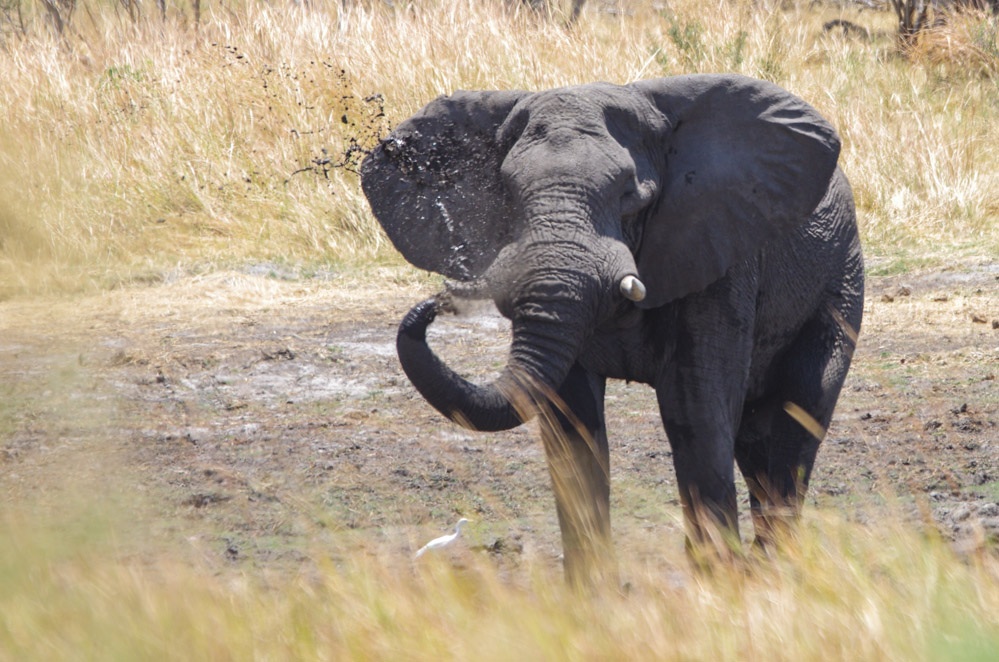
<point>690,233</point>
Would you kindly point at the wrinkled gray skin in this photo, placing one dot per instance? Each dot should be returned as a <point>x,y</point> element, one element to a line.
<point>722,195</point>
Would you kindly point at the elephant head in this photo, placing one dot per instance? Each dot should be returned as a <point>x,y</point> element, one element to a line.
<point>569,205</point>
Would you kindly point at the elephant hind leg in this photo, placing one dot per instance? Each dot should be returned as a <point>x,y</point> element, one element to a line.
<point>779,435</point>
<point>775,455</point>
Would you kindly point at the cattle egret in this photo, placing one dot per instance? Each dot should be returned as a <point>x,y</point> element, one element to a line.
<point>443,541</point>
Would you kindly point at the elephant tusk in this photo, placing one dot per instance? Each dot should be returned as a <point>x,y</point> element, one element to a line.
<point>632,288</point>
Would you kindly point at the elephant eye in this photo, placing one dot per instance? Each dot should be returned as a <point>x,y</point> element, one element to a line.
<point>630,203</point>
<point>638,195</point>
<point>631,231</point>
<point>537,132</point>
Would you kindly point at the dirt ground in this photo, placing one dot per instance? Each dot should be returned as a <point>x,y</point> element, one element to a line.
<point>259,420</point>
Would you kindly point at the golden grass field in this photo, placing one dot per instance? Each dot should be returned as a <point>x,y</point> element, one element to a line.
<point>131,150</point>
<point>147,167</point>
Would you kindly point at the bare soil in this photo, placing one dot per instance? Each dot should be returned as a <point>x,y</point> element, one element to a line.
<point>260,421</point>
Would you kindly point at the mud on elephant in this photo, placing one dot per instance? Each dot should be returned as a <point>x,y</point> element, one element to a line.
<point>690,233</point>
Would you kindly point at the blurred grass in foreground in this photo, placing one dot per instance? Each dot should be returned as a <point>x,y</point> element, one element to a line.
<point>132,150</point>
<point>844,592</point>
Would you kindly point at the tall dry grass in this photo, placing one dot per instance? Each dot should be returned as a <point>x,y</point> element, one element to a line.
<point>844,592</point>
<point>130,149</point>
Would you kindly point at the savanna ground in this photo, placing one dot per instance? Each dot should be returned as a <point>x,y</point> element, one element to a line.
<point>207,446</point>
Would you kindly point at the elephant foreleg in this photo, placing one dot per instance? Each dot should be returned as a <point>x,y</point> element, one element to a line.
<point>575,440</point>
<point>705,472</point>
<point>701,390</point>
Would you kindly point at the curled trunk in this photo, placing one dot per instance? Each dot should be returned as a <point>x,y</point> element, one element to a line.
<point>541,354</point>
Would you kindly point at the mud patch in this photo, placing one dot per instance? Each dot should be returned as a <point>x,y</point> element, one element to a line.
<point>263,422</point>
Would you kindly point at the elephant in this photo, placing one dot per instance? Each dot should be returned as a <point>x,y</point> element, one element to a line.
<point>692,233</point>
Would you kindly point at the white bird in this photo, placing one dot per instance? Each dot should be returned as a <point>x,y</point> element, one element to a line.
<point>443,541</point>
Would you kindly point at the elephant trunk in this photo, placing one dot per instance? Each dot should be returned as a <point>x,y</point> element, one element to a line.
<point>541,354</point>
<point>555,283</point>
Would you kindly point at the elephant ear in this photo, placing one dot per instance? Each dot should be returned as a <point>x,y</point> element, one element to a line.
<point>746,162</point>
<point>434,184</point>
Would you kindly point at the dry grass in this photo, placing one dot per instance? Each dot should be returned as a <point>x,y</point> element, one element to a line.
<point>846,593</point>
<point>129,150</point>
<point>966,43</point>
